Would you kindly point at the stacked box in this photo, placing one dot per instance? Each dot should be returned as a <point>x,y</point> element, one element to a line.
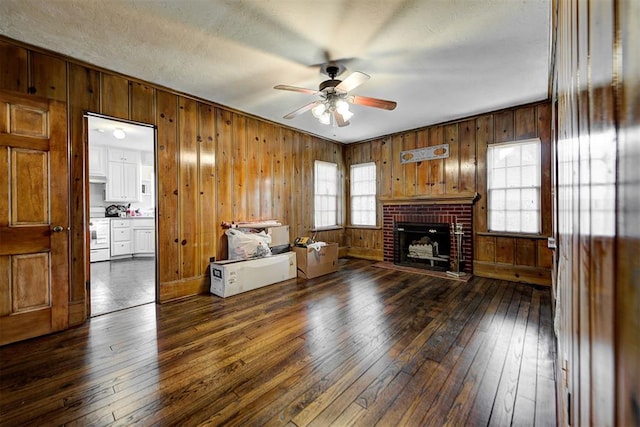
<point>279,235</point>
<point>234,277</point>
<point>312,263</point>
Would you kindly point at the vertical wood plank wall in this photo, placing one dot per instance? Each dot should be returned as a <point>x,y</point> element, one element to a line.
<point>522,258</point>
<point>213,165</point>
<point>597,143</point>
<point>627,288</point>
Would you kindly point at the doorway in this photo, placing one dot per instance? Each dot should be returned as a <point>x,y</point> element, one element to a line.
<point>122,214</point>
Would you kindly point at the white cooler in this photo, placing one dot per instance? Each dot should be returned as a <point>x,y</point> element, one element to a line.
<point>234,277</point>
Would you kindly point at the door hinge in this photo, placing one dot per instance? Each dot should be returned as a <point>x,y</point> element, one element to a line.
<point>569,408</point>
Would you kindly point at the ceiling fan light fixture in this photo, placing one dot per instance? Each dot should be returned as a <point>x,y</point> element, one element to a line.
<point>325,118</point>
<point>119,134</point>
<point>335,98</point>
<point>318,110</point>
<point>342,106</point>
<point>346,115</point>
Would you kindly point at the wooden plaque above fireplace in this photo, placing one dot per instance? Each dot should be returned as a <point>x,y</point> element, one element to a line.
<point>456,199</point>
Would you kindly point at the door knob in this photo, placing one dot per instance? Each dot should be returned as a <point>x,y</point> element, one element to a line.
<point>57,229</point>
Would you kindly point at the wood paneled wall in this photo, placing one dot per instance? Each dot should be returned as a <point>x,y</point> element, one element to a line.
<point>213,165</point>
<point>597,143</point>
<point>522,258</point>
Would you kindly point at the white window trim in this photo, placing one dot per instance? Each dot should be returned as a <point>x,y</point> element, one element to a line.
<point>367,195</point>
<point>316,225</point>
<point>537,187</point>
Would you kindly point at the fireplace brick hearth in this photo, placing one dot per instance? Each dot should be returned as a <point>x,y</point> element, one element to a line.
<point>429,214</point>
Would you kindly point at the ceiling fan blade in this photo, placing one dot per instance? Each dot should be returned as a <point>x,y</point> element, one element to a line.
<point>372,102</point>
<point>296,89</point>
<point>301,110</point>
<point>354,80</point>
<point>337,118</point>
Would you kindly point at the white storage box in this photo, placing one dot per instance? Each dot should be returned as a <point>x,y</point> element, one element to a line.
<point>279,235</point>
<point>234,277</point>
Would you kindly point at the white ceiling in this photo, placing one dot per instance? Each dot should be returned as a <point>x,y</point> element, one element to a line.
<point>137,137</point>
<point>439,59</point>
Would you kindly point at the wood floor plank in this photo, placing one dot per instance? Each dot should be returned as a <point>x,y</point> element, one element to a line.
<point>347,398</point>
<point>490,326</point>
<point>471,340</point>
<point>410,360</point>
<point>527,381</point>
<point>502,412</point>
<point>314,385</point>
<point>411,401</point>
<point>363,346</point>
<point>545,414</point>
<point>325,393</point>
<point>480,412</point>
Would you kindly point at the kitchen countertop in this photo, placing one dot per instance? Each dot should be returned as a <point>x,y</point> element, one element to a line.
<point>131,217</point>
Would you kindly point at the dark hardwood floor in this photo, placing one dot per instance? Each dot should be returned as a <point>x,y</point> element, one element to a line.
<point>364,346</point>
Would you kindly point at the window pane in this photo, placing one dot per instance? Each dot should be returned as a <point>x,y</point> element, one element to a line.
<point>530,154</point>
<point>371,204</point>
<point>529,221</point>
<point>370,219</point>
<point>356,217</point>
<point>497,199</point>
<point>356,203</point>
<point>513,177</point>
<point>529,198</point>
<point>513,157</point>
<point>499,178</point>
<point>371,187</point>
<point>513,200</point>
<point>499,158</point>
<point>497,221</point>
<point>513,221</point>
<point>530,176</point>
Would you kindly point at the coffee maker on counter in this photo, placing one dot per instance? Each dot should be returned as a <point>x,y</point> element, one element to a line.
<point>116,210</point>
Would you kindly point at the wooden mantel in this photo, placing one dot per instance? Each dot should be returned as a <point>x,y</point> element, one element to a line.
<point>453,199</point>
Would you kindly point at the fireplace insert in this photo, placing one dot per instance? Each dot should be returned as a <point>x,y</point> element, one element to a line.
<point>425,246</point>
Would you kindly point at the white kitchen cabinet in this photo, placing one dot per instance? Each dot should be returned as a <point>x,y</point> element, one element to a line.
<point>146,158</point>
<point>121,243</point>
<point>124,155</point>
<point>97,162</point>
<point>123,176</point>
<point>144,241</point>
<point>144,236</point>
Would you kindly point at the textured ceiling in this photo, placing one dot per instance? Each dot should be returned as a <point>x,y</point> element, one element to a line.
<point>439,59</point>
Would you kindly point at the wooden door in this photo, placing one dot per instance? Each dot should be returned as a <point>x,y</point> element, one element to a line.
<point>34,217</point>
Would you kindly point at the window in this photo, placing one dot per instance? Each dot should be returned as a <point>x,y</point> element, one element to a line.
<point>363,194</point>
<point>326,194</point>
<point>513,186</point>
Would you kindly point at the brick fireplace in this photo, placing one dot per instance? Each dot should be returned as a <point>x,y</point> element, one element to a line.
<point>430,214</point>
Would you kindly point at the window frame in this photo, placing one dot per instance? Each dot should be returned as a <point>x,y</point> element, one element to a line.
<point>373,195</point>
<point>493,169</point>
<point>328,196</point>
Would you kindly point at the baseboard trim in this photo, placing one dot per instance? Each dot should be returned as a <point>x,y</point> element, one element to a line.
<point>514,273</point>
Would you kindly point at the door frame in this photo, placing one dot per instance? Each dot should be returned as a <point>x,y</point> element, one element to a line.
<point>86,200</point>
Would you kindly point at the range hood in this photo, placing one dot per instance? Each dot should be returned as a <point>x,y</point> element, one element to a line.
<point>97,179</point>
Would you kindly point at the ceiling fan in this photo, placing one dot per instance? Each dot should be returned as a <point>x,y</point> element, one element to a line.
<point>333,105</point>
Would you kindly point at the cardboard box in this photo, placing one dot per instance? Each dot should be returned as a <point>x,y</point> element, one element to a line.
<point>234,277</point>
<point>312,263</point>
<point>279,235</point>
